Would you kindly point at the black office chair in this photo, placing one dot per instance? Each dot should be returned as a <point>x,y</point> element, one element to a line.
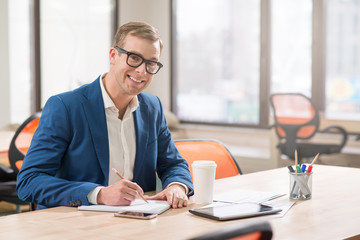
<point>245,231</point>
<point>296,121</point>
<point>19,145</point>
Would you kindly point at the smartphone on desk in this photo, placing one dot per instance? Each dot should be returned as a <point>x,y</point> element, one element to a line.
<point>137,215</point>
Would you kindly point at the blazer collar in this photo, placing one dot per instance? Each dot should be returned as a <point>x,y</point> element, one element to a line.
<point>95,114</point>
<point>141,120</point>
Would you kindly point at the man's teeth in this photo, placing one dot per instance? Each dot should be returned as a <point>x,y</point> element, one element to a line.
<point>137,81</point>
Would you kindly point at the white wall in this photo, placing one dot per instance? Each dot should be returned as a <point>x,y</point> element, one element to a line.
<point>157,14</point>
<point>4,65</point>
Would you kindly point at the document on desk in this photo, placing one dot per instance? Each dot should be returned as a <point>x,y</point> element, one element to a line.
<point>244,195</point>
<point>283,203</point>
<point>154,207</point>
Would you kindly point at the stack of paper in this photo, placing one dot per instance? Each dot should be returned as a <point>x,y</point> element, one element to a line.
<point>154,207</point>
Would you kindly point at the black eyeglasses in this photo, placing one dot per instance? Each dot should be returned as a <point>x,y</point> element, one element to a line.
<point>135,60</point>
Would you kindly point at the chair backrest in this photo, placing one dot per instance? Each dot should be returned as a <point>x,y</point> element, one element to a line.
<point>193,150</point>
<point>294,111</point>
<point>261,230</point>
<point>21,141</point>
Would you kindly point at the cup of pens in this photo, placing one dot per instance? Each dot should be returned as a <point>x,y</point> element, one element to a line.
<point>300,185</point>
<point>301,180</point>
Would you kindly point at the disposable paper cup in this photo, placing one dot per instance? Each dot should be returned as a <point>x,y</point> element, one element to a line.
<point>203,178</point>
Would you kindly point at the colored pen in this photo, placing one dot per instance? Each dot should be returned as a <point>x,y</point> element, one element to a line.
<point>311,165</point>
<point>117,173</point>
<point>291,169</point>
<point>297,164</point>
<point>303,168</point>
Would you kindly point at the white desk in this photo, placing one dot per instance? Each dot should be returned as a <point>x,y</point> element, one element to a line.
<point>332,213</point>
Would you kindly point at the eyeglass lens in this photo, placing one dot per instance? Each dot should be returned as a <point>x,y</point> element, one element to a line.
<point>135,61</point>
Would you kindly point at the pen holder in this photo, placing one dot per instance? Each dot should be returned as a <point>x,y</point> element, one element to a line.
<point>300,186</point>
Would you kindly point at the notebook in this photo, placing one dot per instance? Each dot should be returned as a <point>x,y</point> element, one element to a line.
<point>154,207</point>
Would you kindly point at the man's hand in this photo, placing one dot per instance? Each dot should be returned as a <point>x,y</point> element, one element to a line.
<point>122,192</point>
<point>174,194</point>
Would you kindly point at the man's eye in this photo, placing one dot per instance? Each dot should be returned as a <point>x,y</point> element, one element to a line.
<point>135,58</point>
<point>152,64</point>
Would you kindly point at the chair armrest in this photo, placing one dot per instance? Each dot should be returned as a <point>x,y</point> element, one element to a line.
<point>341,130</point>
<point>6,169</point>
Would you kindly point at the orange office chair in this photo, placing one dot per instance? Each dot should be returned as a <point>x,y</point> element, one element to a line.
<point>19,145</point>
<point>296,120</point>
<point>245,231</point>
<point>193,150</point>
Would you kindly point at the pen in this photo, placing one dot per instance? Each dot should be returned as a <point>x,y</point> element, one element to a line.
<point>311,165</point>
<point>117,173</point>
<point>303,168</point>
<point>297,164</point>
<point>298,170</point>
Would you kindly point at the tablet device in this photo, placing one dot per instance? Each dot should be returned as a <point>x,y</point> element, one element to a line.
<point>234,211</point>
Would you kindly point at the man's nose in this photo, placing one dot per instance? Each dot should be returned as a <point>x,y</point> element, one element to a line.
<point>141,68</point>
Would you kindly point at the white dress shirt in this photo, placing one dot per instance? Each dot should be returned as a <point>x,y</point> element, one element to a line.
<point>122,147</point>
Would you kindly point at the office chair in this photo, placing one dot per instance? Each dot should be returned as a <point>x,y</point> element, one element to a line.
<point>297,121</point>
<point>245,231</point>
<point>19,145</point>
<point>196,149</point>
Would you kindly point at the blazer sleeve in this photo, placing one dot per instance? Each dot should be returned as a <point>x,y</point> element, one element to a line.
<point>171,167</point>
<point>37,180</point>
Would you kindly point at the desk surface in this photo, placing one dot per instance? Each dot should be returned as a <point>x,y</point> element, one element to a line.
<point>332,213</point>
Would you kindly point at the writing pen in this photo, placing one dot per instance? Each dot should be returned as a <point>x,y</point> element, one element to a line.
<point>297,166</point>
<point>117,173</point>
<point>311,165</point>
<point>303,168</point>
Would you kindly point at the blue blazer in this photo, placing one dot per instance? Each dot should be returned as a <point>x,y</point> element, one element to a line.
<point>69,153</point>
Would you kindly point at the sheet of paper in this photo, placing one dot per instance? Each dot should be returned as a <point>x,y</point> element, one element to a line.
<point>154,206</point>
<point>283,203</point>
<point>243,195</point>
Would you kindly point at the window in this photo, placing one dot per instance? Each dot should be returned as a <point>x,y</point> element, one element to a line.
<point>342,60</point>
<point>74,43</point>
<point>20,61</point>
<point>217,61</point>
<point>291,46</point>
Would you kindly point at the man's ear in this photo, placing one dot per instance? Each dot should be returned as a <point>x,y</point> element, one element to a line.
<point>112,56</point>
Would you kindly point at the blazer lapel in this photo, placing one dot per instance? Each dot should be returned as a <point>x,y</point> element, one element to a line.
<point>141,131</point>
<point>95,115</point>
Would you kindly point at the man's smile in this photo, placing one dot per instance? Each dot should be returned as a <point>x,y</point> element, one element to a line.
<point>135,80</point>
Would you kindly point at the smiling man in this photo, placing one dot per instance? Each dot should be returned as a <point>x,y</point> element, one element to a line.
<point>109,123</point>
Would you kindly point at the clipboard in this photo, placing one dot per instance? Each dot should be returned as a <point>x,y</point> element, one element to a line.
<point>235,211</point>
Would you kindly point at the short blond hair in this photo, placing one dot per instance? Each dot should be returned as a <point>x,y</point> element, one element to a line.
<point>137,29</point>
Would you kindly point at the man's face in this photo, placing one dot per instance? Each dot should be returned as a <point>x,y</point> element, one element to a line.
<point>130,80</point>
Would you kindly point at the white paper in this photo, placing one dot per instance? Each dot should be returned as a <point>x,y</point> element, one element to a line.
<point>238,196</point>
<point>284,204</point>
<point>243,195</point>
<point>154,206</point>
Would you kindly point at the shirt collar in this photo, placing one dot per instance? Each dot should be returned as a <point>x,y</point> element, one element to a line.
<point>108,102</point>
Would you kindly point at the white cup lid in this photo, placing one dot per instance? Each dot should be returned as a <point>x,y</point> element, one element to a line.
<point>203,163</point>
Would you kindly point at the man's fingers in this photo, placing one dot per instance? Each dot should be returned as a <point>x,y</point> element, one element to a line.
<point>134,186</point>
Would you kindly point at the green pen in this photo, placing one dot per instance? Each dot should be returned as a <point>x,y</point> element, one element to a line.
<point>298,169</point>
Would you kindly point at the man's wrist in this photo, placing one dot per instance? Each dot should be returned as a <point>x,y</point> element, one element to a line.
<point>186,188</point>
<point>92,196</point>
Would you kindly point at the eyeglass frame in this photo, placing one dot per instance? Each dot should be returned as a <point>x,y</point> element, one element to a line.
<point>121,50</point>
